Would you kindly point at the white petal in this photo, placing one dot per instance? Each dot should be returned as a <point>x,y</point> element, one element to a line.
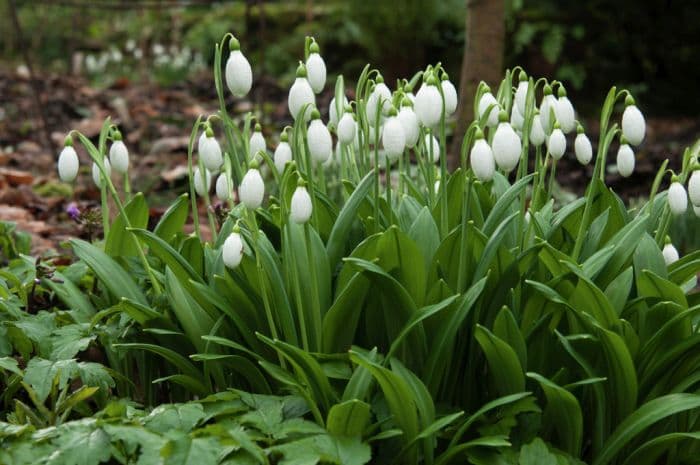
<point>485,101</point>
<point>316,72</point>
<point>210,151</point>
<point>119,156</point>
<point>565,114</point>
<point>409,121</point>
<point>516,119</point>
<point>380,92</point>
<point>677,198</point>
<point>537,135</point>
<point>694,188</point>
<point>670,254</point>
<point>239,75</point>
<point>556,144</point>
<point>283,155</point>
<point>506,147</point>
<point>625,160</point>
<point>319,140</point>
<point>583,149</point>
<point>299,95</point>
<point>548,106</point>
<point>301,207</point>
<point>97,175</point>
<point>232,250</point>
<point>450,94</point>
<point>393,137</point>
<point>252,189</point>
<point>432,146</point>
<point>223,191</point>
<point>633,125</point>
<point>257,144</point>
<point>482,161</point>
<point>201,187</point>
<point>346,129</point>
<point>333,117</point>
<point>68,164</point>
<point>521,96</point>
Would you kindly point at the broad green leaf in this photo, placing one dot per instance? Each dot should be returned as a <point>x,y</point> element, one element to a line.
<point>120,242</point>
<point>349,418</point>
<point>173,220</point>
<point>504,366</point>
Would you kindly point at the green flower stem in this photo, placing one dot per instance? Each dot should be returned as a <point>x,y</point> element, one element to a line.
<point>552,179</point>
<point>466,199</point>
<point>316,321</point>
<point>127,187</point>
<point>104,202</point>
<point>190,175</point>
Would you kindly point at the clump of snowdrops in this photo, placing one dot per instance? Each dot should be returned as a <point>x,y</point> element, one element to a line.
<point>445,315</point>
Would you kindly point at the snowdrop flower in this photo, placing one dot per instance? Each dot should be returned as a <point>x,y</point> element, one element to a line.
<point>380,93</point>
<point>68,163</point>
<point>521,93</point>
<point>201,186</point>
<point>252,188</point>
<point>333,116</point>
<point>409,121</point>
<point>564,111</point>
<point>436,186</point>
<point>633,124</point>
<point>450,94</point>
<point>486,100</point>
<point>232,250</point>
<point>118,154</point>
<point>481,158</point>
<point>223,187</point>
<point>301,207</point>
<point>506,145</point>
<point>516,118</point>
<point>537,135</point>
<point>393,137</point>
<point>625,159</point>
<point>582,147</point>
<point>97,175</point>
<point>677,197</point>
<point>694,187</point>
<point>432,148</point>
<point>319,139</point>
<point>669,252</point>
<point>556,144</point>
<point>408,93</point>
<point>301,94</point>
<point>239,75</point>
<point>283,153</point>
<point>547,107</point>
<point>257,141</point>
<point>347,127</point>
<point>315,68</point>
<point>210,151</point>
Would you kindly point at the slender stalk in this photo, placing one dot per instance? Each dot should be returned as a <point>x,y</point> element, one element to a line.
<point>315,302</point>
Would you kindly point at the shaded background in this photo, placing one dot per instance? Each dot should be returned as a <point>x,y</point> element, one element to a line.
<point>147,63</point>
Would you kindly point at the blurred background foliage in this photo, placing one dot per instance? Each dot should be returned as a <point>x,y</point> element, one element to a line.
<point>648,47</point>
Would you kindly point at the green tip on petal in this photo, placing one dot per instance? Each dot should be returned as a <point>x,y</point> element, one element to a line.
<point>314,48</point>
<point>234,44</point>
<point>629,100</point>
<point>301,70</point>
<point>209,132</point>
<point>315,114</point>
<point>579,128</point>
<point>379,79</point>
<point>547,89</point>
<point>478,134</point>
<point>253,165</point>
<point>562,91</point>
<point>675,178</point>
<point>444,76</point>
<point>284,137</point>
<point>557,125</point>
<point>667,240</point>
<point>347,108</point>
<point>522,76</point>
<point>301,182</point>
<point>68,141</point>
<point>432,80</point>
<point>623,140</point>
<point>502,116</point>
<point>117,135</point>
<point>406,102</point>
<point>258,128</point>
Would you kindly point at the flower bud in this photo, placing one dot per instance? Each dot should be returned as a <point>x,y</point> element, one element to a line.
<point>283,154</point>
<point>506,145</point>
<point>210,151</point>
<point>694,188</point>
<point>450,94</point>
<point>486,100</point>
<point>223,187</point>
<point>232,250</point>
<point>633,124</point>
<point>583,148</point>
<point>252,188</point>
<point>521,93</point>
<point>319,140</point>
<point>670,253</point>
<point>257,142</point>
<point>239,75</point>
<point>201,186</point>
<point>556,144</point>
<point>481,159</point>
<point>516,119</point>
<point>428,105</point>
<point>97,175</point>
<point>677,198</point>
<point>537,135</point>
<point>409,121</point>
<point>547,108</point>
<point>316,70</point>
<point>68,164</point>
<point>380,93</point>
<point>119,156</point>
<point>625,160</point>
<point>347,127</point>
<point>301,207</point>
<point>564,111</point>
<point>301,94</point>
<point>432,148</point>
<point>393,137</point>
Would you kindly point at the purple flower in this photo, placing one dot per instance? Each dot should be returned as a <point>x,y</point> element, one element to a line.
<point>73,210</point>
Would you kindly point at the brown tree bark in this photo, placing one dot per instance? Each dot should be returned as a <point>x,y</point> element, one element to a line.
<point>482,61</point>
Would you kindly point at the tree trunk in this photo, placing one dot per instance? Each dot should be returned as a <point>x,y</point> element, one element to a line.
<point>482,61</point>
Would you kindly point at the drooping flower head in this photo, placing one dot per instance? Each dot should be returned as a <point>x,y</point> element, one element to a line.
<point>252,189</point>
<point>68,163</point>
<point>670,253</point>
<point>257,141</point>
<point>393,137</point>
<point>556,143</point>
<point>118,154</point>
<point>428,104</point>
<point>232,250</point>
<point>202,181</point>
<point>319,138</point>
<point>315,68</point>
<point>564,111</point>
<point>677,197</point>
<point>449,93</point>
<point>380,92</point>
<point>694,186</point>
<point>301,94</point>
<point>633,124</point>
<point>409,121</point>
<point>625,159</point>
<point>210,150</point>
<point>283,152</point>
<point>487,101</point>
<point>239,75</point>
<point>548,109</point>
<point>301,206</point>
<point>97,175</point>
<point>347,127</point>
<point>481,158</point>
<point>506,144</point>
<point>582,147</point>
<point>521,92</point>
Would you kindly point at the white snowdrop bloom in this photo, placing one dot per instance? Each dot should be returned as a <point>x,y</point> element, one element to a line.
<point>252,188</point>
<point>232,250</point>
<point>239,75</point>
<point>409,121</point>
<point>97,175</point>
<point>506,145</point>
<point>301,207</point>
<point>347,128</point>
<point>537,135</point>
<point>380,93</point>
<point>301,94</point>
<point>564,111</point>
<point>633,124</point>
<point>374,134</point>
<point>677,197</point>
<point>428,105</point>
<point>223,187</point>
<point>315,69</point>
<point>68,164</point>
<point>393,137</point>
<point>556,143</point>
<point>431,146</point>
<point>201,186</point>
<point>119,156</point>
<point>210,151</point>
<point>481,159</point>
<point>516,118</point>
<point>521,93</point>
<point>333,116</point>
<point>257,142</point>
<point>319,139</point>
<point>527,218</point>
<point>547,107</point>
<point>625,160</point>
<point>485,101</point>
<point>436,186</point>
<point>694,188</point>
<point>450,94</point>
<point>283,153</point>
<point>583,147</point>
<point>670,254</point>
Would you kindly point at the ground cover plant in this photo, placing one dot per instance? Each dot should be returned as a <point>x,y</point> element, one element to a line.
<point>361,303</point>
